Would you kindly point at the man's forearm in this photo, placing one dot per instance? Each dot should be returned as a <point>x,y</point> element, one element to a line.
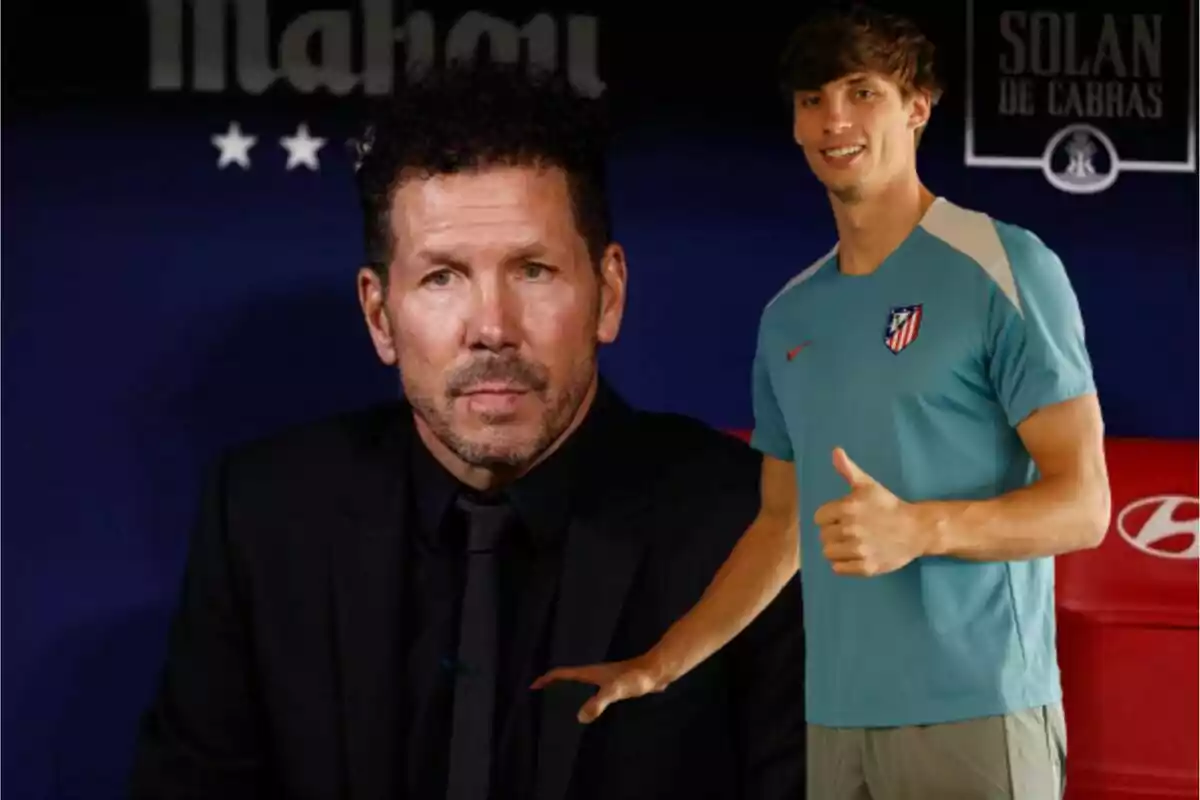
<point>1046,518</point>
<point>760,565</point>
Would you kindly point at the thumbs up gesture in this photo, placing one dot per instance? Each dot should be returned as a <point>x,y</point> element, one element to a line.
<point>869,531</point>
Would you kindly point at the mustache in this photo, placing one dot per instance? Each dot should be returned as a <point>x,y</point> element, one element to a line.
<point>514,371</point>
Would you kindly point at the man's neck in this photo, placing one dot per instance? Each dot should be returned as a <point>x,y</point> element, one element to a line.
<point>872,227</point>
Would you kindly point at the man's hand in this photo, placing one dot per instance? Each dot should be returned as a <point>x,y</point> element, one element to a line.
<point>619,680</point>
<point>870,531</point>
<point>764,559</point>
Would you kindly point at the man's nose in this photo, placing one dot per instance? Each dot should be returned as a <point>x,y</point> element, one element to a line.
<point>494,318</point>
<point>837,117</point>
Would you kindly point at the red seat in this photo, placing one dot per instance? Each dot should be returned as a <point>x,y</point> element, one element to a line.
<point>1129,643</point>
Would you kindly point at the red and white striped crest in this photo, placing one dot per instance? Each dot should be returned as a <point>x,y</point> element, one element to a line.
<point>904,323</point>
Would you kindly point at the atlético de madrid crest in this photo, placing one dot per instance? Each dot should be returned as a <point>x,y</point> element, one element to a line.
<point>904,323</point>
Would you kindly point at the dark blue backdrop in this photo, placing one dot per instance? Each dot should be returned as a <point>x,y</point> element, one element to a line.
<point>156,309</point>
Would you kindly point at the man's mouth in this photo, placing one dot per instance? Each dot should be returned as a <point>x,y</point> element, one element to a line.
<point>493,388</point>
<point>842,152</point>
<point>494,400</point>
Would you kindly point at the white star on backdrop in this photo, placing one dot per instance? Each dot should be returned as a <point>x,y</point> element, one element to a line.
<point>302,148</point>
<point>234,146</point>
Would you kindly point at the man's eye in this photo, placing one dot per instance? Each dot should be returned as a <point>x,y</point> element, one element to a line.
<point>440,278</point>
<point>534,271</point>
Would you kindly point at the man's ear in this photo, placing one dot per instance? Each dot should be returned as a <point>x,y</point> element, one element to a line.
<point>921,107</point>
<point>372,298</point>
<point>613,276</point>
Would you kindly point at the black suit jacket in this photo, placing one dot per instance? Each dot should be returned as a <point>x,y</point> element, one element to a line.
<point>280,679</point>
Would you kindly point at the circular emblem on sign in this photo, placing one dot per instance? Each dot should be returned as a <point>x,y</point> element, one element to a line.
<point>1080,159</point>
<point>1165,526</point>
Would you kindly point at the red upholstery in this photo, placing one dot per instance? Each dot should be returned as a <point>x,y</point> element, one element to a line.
<point>1129,644</point>
<point>1129,631</point>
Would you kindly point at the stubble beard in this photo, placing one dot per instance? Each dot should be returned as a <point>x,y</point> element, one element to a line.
<point>848,195</point>
<point>507,451</point>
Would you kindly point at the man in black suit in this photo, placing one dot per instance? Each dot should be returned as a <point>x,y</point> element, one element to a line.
<point>369,600</point>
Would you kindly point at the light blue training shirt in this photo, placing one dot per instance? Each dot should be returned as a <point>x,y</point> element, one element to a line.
<point>922,372</point>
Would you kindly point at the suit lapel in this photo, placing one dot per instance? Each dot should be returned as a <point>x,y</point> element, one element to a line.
<point>603,550</point>
<point>366,562</point>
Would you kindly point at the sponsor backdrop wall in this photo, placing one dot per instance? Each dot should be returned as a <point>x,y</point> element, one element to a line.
<point>181,239</point>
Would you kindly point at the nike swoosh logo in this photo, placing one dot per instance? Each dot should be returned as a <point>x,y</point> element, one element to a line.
<point>795,351</point>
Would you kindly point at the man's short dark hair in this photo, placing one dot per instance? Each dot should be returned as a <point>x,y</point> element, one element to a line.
<point>835,43</point>
<point>473,115</point>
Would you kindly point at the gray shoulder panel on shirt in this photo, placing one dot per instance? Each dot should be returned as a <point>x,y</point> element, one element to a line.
<point>807,273</point>
<point>974,234</point>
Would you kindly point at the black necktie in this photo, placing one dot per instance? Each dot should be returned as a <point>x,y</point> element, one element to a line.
<point>475,683</point>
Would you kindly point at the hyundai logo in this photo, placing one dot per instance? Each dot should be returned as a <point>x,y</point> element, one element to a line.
<point>1170,529</point>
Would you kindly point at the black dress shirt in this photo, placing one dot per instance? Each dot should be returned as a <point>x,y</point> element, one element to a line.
<point>530,566</point>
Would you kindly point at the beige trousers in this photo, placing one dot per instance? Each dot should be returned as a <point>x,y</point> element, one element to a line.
<point>1019,756</point>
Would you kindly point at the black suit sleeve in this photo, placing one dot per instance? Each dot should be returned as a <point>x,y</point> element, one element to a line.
<point>767,663</point>
<point>201,736</point>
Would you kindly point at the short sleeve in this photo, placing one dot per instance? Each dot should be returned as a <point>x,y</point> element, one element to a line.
<point>1036,333</point>
<point>770,428</point>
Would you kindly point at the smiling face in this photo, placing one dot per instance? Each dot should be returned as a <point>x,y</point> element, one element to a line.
<point>493,311</point>
<point>859,133</point>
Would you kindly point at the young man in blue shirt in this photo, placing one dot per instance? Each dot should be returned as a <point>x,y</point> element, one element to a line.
<point>924,401</point>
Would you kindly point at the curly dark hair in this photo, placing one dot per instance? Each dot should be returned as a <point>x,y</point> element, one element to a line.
<point>837,42</point>
<point>470,115</point>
